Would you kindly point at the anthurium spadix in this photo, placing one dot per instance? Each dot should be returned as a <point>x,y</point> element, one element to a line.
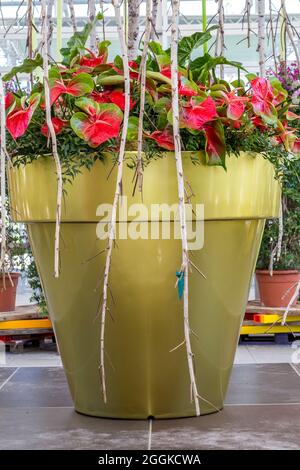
<point>97,122</point>
<point>81,84</point>
<point>18,119</point>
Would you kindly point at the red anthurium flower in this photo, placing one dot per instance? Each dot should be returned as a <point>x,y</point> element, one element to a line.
<point>132,67</point>
<point>101,96</point>
<point>184,90</point>
<point>194,116</point>
<point>258,122</point>
<point>58,125</point>
<point>187,88</point>
<point>236,105</point>
<point>98,123</point>
<point>9,99</point>
<point>80,85</point>
<point>17,121</point>
<point>163,138</point>
<point>91,60</point>
<point>118,97</point>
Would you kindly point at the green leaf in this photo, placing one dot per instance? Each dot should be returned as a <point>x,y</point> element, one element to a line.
<point>87,105</point>
<point>132,130</point>
<point>110,79</point>
<point>189,43</point>
<point>28,66</point>
<point>76,43</point>
<point>251,76</point>
<point>156,48</point>
<point>201,66</point>
<point>118,62</point>
<point>162,104</point>
<point>158,77</point>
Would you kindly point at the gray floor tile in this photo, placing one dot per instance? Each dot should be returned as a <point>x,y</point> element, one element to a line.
<point>263,383</point>
<point>36,386</point>
<point>63,428</point>
<point>236,427</point>
<point>5,373</point>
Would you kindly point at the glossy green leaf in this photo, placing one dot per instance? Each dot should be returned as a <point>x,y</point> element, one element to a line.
<point>132,130</point>
<point>189,43</point>
<point>27,66</point>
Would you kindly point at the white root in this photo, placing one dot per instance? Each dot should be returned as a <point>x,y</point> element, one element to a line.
<point>117,195</point>
<point>181,205</point>
<point>154,18</point>
<point>142,76</point>
<point>52,136</point>
<point>50,5</point>
<point>72,15</point>
<point>220,42</point>
<point>261,37</point>
<point>133,27</point>
<point>3,177</point>
<point>289,32</point>
<point>92,15</point>
<point>294,297</point>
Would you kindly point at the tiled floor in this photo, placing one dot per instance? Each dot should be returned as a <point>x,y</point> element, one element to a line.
<point>246,354</point>
<point>262,411</point>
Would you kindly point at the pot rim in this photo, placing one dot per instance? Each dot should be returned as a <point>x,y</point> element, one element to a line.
<point>11,274</point>
<point>277,272</point>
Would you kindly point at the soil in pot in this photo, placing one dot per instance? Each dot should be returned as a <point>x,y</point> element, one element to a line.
<point>8,291</point>
<point>278,289</point>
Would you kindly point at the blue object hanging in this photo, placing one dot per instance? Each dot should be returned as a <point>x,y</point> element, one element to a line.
<point>180,283</point>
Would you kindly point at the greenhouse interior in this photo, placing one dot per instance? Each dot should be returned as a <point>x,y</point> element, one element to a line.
<point>147,318</point>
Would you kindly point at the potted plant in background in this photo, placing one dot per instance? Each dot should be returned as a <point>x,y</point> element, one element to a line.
<point>15,262</point>
<point>278,265</point>
<point>148,350</point>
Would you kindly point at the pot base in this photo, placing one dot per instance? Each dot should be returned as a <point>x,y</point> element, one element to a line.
<point>143,377</point>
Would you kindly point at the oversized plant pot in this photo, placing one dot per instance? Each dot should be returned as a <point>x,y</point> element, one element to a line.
<point>277,289</point>
<point>143,378</point>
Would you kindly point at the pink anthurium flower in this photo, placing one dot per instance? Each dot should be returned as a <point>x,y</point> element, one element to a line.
<point>291,116</point>
<point>80,85</point>
<point>262,97</point>
<point>215,147</point>
<point>236,105</point>
<point>262,89</point>
<point>195,115</point>
<point>98,123</point>
<point>58,125</point>
<point>163,138</point>
<point>18,119</point>
<point>295,146</point>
